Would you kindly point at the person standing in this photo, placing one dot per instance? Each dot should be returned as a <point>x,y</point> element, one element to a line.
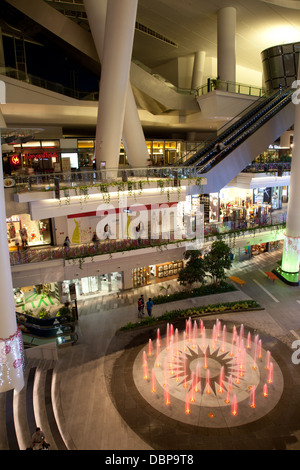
<point>141,306</point>
<point>67,241</point>
<point>95,239</point>
<point>149,305</point>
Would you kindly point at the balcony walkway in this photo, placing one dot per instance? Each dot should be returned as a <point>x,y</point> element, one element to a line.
<point>46,253</point>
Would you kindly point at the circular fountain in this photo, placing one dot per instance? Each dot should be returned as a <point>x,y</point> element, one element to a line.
<point>208,377</point>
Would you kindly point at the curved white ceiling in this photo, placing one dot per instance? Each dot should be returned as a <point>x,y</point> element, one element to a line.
<point>294,4</point>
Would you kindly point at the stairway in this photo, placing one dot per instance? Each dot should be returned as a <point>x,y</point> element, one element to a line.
<point>22,412</point>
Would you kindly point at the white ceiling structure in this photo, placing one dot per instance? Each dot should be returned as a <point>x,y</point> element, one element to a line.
<point>192,26</point>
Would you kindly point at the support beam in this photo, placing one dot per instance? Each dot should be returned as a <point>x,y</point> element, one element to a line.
<point>132,133</point>
<point>226,44</point>
<point>199,61</point>
<point>11,343</point>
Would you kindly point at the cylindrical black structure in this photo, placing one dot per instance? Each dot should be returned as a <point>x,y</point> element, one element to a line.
<point>280,65</point>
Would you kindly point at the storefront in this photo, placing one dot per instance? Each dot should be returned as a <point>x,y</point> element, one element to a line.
<point>161,152</point>
<point>142,276</point>
<point>36,297</point>
<point>92,285</point>
<point>235,204</point>
<point>247,252</point>
<point>240,204</point>
<point>32,157</point>
<point>26,232</point>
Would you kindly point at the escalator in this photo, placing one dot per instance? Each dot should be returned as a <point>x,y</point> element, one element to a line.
<point>243,139</point>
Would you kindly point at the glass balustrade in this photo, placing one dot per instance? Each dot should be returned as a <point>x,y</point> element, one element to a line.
<point>80,251</point>
<point>103,178</point>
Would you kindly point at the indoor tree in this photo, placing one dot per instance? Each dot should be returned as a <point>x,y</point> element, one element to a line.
<point>217,260</point>
<point>194,270</point>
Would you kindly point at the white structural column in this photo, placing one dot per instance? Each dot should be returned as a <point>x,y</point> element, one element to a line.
<point>285,139</point>
<point>199,61</point>
<point>291,249</point>
<point>11,342</point>
<point>133,135</point>
<point>113,39</point>
<point>226,44</point>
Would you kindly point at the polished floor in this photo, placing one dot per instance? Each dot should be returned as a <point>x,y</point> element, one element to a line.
<point>97,405</point>
<point>97,410</point>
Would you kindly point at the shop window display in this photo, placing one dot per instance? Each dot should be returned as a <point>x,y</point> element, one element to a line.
<point>35,299</point>
<point>92,285</point>
<point>23,231</point>
<point>144,275</point>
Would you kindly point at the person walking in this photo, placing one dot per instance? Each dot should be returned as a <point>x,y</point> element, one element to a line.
<point>141,306</point>
<point>149,305</point>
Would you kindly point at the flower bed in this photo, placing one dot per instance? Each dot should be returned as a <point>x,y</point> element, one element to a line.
<point>197,292</point>
<point>226,307</point>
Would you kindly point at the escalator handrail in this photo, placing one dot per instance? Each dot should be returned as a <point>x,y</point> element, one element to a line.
<point>249,131</point>
<point>237,120</point>
<point>269,103</point>
<point>242,127</point>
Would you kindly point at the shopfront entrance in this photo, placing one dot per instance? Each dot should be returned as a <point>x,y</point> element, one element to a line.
<point>24,232</point>
<point>93,285</point>
<point>142,276</point>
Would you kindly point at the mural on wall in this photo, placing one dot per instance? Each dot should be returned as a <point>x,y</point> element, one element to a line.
<point>81,230</point>
<point>76,233</point>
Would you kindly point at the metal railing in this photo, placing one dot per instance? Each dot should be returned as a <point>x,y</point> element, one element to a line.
<point>237,130</point>
<point>231,87</point>
<point>102,247</point>
<point>241,226</point>
<point>248,128</point>
<point>208,144</point>
<point>268,167</point>
<point>132,177</point>
<point>48,85</point>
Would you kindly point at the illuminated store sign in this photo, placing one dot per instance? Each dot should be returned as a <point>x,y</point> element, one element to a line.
<point>40,156</point>
<point>15,159</point>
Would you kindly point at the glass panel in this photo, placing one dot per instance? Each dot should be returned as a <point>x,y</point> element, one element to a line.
<point>276,67</point>
<point>297,60</point>
<point>287,48</point>
<point>297,47</point>
<point>266,70</point>
<point>276,82</point>
<point>274,51</point>
<point>289,65</point>
<point>290,80</point>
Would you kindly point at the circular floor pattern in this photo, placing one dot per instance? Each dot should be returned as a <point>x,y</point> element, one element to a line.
<point>210,425</point>
<point>211,378</point>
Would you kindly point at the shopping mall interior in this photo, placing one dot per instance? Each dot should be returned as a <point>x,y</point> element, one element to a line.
<point>133,132</point>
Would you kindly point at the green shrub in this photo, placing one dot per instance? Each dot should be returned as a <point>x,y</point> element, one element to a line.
<point>197,292</point>
<point>196,311</point>
<point>43,313</point>
<point>63,311</point>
